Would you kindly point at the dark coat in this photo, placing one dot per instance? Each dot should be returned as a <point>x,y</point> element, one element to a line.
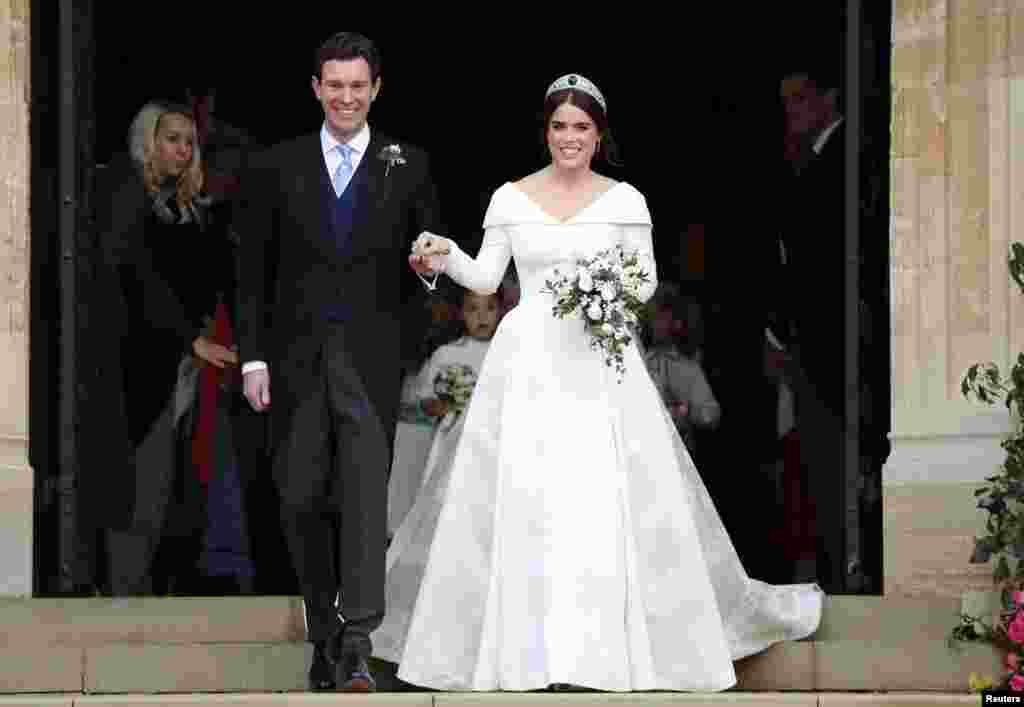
<point>291,270</point>
<point>816,271</point>
<point>154,283</point>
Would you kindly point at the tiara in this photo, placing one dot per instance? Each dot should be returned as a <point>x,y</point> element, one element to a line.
<point>580,84</point>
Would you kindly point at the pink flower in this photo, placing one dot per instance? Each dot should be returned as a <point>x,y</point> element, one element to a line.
<point>1017,683</point>
<point>1015,630</point>
<point>1017,597</point>
<point>1012,661</point>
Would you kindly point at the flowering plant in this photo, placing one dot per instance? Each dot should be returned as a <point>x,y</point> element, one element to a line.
<point>1003,492</point>
<point>1006,632</point>
<point>604,292</point>
<point>454,384</point>
<point>392,154</point>
<point>977,682</point>
<point>1002,497</point>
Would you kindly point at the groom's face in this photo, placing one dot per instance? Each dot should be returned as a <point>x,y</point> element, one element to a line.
<point>345,91</point>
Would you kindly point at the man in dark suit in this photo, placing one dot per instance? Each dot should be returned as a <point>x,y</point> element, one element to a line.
<point>813,243</point>
<point>325,227</point>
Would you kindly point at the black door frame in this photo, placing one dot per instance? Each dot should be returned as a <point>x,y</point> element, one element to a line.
<point>61,138</point>
<point>62,98</point>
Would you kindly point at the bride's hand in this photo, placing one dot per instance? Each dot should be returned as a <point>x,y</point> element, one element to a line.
<point>428,244</point>
<point>425,248</point>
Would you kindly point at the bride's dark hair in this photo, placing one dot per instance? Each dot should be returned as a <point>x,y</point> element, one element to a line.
<point>609,151</point>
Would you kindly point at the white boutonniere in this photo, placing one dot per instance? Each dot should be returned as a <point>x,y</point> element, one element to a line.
<point>392,154</point>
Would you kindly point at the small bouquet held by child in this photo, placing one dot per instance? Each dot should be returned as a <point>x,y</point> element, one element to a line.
<point>603,291</point>
<point>454,385</point>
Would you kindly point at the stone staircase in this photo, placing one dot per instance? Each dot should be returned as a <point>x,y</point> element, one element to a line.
<point>249,651</point>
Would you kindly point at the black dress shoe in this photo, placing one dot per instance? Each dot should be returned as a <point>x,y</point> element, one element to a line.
<point>567,687</point>
<point>354,674</point>
<point>322,670</point>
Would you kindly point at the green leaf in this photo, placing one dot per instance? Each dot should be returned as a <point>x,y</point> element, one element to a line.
<point>1002,571</point>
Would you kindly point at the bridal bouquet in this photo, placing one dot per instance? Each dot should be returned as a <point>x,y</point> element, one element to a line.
<point>603,291</point>
<point>454,384</point>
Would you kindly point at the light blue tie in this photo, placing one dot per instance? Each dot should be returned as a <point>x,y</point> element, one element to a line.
<point>343,174</point>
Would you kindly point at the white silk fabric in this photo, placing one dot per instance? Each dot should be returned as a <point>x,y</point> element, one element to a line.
<point>569,538</point>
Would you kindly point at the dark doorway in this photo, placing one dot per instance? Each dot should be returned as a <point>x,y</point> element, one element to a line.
<point>693,103</point>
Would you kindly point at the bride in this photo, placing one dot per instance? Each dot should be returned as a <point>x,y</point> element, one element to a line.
<point>572,541</point>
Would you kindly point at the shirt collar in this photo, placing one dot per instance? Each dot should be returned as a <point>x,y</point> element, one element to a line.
<point>819,144</point>
<point>359,143</point>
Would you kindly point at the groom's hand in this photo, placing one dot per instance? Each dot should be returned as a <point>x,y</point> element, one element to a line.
<point>420,264</point>
<point>257,389</point>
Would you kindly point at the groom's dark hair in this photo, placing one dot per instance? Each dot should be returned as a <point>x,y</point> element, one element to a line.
<point>344,46</point>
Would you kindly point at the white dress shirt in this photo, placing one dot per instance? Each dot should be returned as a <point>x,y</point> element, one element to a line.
<point>359,143</point>
<point>819,144</point>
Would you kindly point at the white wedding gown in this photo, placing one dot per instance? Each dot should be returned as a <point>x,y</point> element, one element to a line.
<point>574,541</point>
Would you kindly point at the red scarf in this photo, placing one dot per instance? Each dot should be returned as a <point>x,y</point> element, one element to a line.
<point>210,378</point>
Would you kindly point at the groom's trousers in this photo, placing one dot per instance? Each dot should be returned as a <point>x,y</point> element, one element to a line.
<point>331,466</point>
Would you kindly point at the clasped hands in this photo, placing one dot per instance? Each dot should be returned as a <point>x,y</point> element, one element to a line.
<point>424,249</point>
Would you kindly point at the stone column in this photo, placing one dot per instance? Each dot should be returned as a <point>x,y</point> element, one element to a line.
<point>957,203</point>
<point>16,506</point>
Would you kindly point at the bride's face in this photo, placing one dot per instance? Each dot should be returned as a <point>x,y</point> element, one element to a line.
<point>572,137</point>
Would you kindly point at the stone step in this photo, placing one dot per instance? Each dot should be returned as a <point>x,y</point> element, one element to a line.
<point>86,622</point>
<point>254,644</point>
<point>116,668</point>
<point>887,618</point>
<point>96,621</point>
<point>722,699</point>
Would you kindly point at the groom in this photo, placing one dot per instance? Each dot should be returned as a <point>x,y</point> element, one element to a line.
<point>326,223</point>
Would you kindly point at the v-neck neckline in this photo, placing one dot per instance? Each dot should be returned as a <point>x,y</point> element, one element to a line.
<point>552,217</point>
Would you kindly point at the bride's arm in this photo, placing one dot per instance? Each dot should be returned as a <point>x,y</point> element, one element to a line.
<point>482,274</point>
<point>637,239</point>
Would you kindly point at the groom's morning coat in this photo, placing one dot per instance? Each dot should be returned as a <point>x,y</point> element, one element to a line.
<point>307,258</point>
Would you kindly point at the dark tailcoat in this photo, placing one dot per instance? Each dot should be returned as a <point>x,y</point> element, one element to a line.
<point>322,287</point>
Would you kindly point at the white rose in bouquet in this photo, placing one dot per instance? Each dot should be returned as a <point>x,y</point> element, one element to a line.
<point>604,292</point>
<point>609,291</point>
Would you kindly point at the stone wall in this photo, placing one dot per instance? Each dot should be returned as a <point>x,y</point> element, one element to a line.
<point>957,203</point>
